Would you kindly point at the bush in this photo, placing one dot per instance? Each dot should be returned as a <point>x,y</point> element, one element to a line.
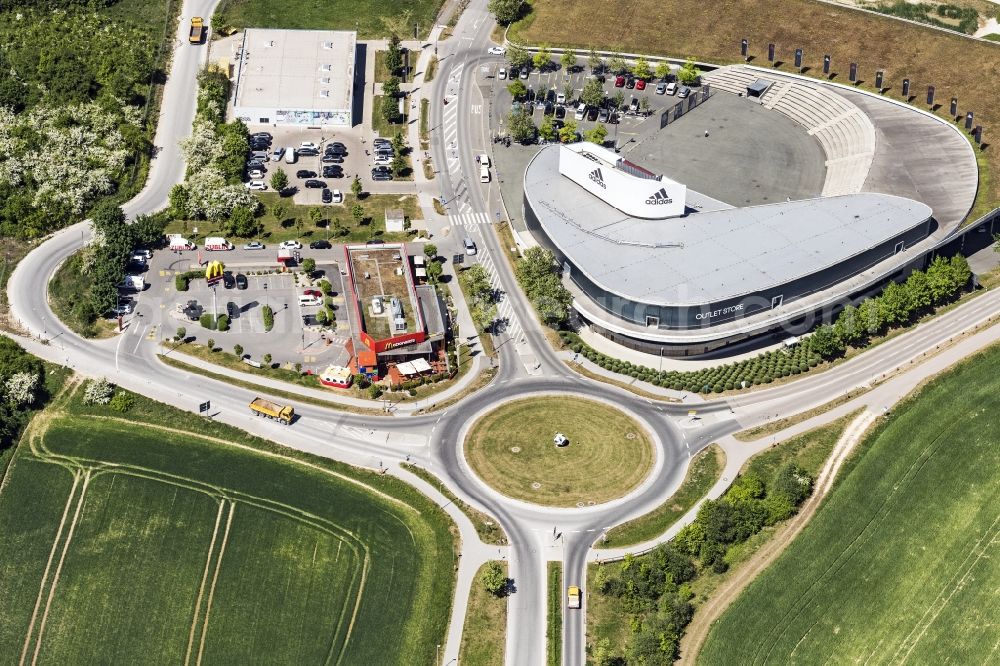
<point>222,323</point>
<point>98,392</point>
<point>207,320</point>
<point>267,360</point>
<point>374,391</point>
<point>268,314</point>
<point>122,402</point>
<point>238,350</point>
<point>181,282</point>
<point>181,334</point>
<point>211,344</point>
<point>494,579</point>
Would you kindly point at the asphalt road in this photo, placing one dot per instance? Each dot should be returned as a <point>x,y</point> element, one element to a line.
<point>527,363</point>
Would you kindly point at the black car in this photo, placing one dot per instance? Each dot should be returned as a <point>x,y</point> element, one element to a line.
<point>560,112</point>
<point>305,173</point>
<point>381,173</point>
<point>228,281</point>
<point>241,281</point>
<point>327,198</point>
<point>333,171</point>
<point>320,244</point>
<point>307,152</point>
<point>262,135</point>
<point>332,159</point>
<point>255,162</point>
<point>630,82</point>
<point>232,310</point>
<point>336,148</point>
<point>315,184</point>
<point>381,142</point>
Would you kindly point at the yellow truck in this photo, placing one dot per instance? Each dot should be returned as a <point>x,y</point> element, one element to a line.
<point>270,410</point>
<point>573,596</point>
<point>197,30</point>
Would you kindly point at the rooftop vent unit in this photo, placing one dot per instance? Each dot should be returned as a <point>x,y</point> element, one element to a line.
<point>325,68</point>
<point>325,79</point>
<point>324,93</point>
<point>327,45</point>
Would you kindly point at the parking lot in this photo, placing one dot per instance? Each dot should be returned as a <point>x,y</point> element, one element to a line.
<point>295,337</point>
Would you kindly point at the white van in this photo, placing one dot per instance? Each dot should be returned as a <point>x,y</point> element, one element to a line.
<point>310,300</point>
<point>581,111</point>
<point>289,155</point>
<point>484,173</point>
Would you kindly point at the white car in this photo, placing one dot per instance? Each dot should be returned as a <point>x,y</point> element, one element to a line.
<point>290,245</point>
<point>309,144</point>
<point>502,73</point>
<point>560,98</point>
<point>123,308</point>
<point>256,185</point>
<point>338,196</point>
<point>277,154</point>
<point>497,50</point>
<point>255,173</point>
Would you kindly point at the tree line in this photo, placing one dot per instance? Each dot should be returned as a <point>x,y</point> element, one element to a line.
<point>22,389</point>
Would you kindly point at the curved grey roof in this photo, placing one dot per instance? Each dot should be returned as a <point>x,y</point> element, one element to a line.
<point>714,256</point>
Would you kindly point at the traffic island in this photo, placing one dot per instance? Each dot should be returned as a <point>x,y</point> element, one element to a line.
<point>605,455</point>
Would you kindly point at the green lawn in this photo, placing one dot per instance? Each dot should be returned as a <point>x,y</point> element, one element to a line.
<point>296,223</point>
<point>900,563</point>
<point>511,449</point>
<point>365,16</point>
<point>704,471</point>
<point>484,635</point>
<point>185,548</point>
<point>380,126</point>
<point>553,632</point>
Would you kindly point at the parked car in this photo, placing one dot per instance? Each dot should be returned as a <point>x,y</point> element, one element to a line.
<point>502,73</point>
<point>619,81</point>
<point>683,92</point>
<point>228,281</point>
<point>256,186</point>
<point>313,184</point>
<point>560,98</point>
<point>327,196</point>
<point>672,88</point>
<point>308,145</point>
<point>661,88</point>
<point>336,148</point>
<point>381,173</point>
<point>497,50</point>
<point>320,245</point>
<point>630,82</point>
<point>333,171</point>
<point>256,163</point>
<point>640,84</point>
<point>338,196</point>
<point>290,245</point>
<point>256,174</point>
<point>123,308</point>
<point>581,111</point>
<point>241,281</point>
<point>305,173</point>
<point>560,112</point>
<point>266,135</point>
<point>603,115</point>
<point>254,245</point>
<point>633,106</point>
<point>524,73</point>
<point>315,293</point>
<point>332,159</point>
<point>382,158</point>
<point>308,152</point>
<point>514,73</point>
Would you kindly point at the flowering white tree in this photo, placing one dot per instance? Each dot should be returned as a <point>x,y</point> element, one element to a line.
<point>19,389</point>
<point>98,392</point>
<point>203,147</point>
<point>211,198</point>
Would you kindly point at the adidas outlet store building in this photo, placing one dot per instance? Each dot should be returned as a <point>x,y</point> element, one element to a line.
<point>663,269</point>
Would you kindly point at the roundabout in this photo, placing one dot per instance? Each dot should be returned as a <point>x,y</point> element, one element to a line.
<point>606,453</point>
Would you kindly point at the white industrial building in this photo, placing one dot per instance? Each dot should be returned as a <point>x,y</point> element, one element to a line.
<point>295,77</point>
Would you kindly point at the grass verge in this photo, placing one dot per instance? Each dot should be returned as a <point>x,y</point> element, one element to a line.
<point>512,450</point>
<point>367,17</point>
<point>773,427</point>
<point>703,472</point>
<point>485,630</point>
<point>487,527</point>
<point>432,67</point>
<point>902,547</point>
<point>379,124</point>
<point>553,630</point>
<point>69,296</point>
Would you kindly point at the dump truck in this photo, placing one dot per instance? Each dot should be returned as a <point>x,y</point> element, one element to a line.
<point>573,597</point>
<point>197,29</point>
<point>271,410</point>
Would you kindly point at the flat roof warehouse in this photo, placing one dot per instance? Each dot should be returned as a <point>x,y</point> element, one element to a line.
<point>296,76</point>
<point>708,257</point>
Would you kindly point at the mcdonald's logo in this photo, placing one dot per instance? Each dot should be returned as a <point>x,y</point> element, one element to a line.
<point>214,270</point>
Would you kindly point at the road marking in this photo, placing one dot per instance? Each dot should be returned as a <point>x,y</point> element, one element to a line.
<point>477,109</point>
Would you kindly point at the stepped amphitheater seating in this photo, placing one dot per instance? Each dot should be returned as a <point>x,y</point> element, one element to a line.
<point>843,130</point>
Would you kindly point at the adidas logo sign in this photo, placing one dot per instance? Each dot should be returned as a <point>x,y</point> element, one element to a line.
<point>596,176</point>
<point>659,198</point>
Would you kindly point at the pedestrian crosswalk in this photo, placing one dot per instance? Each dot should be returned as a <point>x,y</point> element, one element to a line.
<point>469,220</point>
<point>508,318</point>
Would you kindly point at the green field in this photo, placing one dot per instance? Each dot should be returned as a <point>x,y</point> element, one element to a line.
<point>901,562</point>
<point>148,545</point>
<point>511,449</point>
<point>365,16</point>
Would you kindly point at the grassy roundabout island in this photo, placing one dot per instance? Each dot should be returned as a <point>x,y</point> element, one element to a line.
<point>512,450</point>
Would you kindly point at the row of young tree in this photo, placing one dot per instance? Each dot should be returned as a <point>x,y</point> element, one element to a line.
<point>639,67</point>
<point>654,591</point>
<point>73,90</point>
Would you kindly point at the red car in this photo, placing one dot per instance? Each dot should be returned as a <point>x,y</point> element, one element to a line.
<point>640,84</point>
<point>619,81</point>
<point>315,293</point>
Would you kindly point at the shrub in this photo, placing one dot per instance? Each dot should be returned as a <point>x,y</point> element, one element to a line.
<point>222,323</point>
<point>211,344</point>
<point>180,282</point>
<point>268,314</point>
<point>122,402</point>
<point>180,334</point>
<point>374,391</point>
<point>267,360</point>
<point>98,392</point>
<point>238,350</point>
<point>207,320</point>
